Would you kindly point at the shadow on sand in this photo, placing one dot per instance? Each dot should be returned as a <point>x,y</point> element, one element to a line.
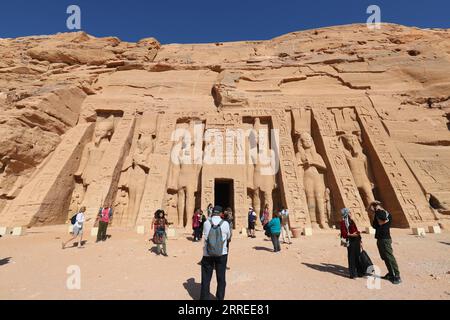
<point>4,261</point>
<point>259,248</point>
<point>329,267</point>
<point>194,288</point>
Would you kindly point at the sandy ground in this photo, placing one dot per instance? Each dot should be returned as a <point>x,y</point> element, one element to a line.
<point>35,267</point>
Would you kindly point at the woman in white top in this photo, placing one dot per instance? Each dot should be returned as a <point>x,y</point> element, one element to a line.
<point>77,228</point>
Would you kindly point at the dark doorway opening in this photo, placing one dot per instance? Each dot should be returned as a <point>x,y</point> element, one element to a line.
<point>224,193</point>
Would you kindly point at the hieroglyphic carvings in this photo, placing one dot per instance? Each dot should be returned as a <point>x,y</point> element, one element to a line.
<point>346,193</point>
<point>407,192</point>
<point>155,187</point>
<point>40,200</point>
<point>292,189</point>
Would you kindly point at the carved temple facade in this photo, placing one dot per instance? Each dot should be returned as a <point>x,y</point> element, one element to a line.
<point>333,153</point>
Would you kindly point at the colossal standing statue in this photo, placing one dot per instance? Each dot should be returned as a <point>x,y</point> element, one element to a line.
<point>357,161</point>
<point>135,172</point>
<point>313,167</point>
<point>183,177</point>
<point>91,159</point>
<point>263,184</point>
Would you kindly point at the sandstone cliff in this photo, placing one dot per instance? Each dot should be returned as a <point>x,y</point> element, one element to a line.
<point>52,84</point>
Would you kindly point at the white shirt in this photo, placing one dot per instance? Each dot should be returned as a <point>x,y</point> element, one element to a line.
<point>79,220</point>
<point>226,233</point>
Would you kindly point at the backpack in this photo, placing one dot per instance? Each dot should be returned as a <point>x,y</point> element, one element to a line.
<point>73,220</point>
<point>214,242</point>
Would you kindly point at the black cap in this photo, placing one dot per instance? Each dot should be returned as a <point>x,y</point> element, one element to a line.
<point>217,209</point>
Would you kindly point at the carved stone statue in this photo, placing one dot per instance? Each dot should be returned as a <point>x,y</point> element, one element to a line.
<point>93,152</point>
<point>313,167</point>
<point>184,179</point>
<point>135,171</point>
<point>120,207</point>
<point>262,185</point>
<point>328,204</point>
<point>357,161</point>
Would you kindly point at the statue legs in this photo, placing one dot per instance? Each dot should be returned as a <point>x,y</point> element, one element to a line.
<point>136,190</point>
<point>180,207</point>
<point>257,201</point>
<point>190,206</point>
<point>366,193</point>
<point>315,190</point>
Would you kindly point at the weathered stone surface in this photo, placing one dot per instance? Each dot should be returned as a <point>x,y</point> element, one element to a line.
<point>375,104</point>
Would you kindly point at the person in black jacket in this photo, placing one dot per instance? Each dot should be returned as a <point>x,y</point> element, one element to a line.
<point>382,224</point>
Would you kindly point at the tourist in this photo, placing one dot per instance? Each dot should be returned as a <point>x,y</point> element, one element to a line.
<point>215,254</point>
<point>196,224</point>
<point>285,225</point>
<point>274,229</point>
<point>104,215</point>
<point>202,221</point>
<point>382,222</point>
<point>228,217</point>
<point>251,223</point>
<point>77,228</point>
<point>352,237</point>
<point>209,210</point>
<point>159,225</point>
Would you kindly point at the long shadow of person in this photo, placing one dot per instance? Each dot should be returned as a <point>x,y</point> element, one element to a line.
<point>329,267</point>
<point>194,289</point>
<point>4,261</point>
<point>262,248</point>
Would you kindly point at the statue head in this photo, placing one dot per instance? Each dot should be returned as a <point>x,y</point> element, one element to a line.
<point>306,140</point>
<point>104,130</point>
<point>351,142</point>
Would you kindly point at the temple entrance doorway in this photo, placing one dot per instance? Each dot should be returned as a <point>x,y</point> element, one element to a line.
<point>224,193</point>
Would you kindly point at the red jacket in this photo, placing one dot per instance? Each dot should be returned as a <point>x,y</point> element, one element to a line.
<point>352,229</point>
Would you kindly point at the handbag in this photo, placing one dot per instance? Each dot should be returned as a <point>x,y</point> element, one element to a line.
<point>365,261</point>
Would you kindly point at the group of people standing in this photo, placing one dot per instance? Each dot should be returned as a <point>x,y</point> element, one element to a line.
<point>273,227</point>
<point>351,238</point>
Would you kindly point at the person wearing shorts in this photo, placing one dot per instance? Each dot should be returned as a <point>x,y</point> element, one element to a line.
<point>77,228</point>
<point>251,222</point>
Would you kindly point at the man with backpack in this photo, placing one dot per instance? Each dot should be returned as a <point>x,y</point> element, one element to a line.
<point>216,232</point>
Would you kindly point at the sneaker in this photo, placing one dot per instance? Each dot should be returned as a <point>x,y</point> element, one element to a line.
<point>396,280</point>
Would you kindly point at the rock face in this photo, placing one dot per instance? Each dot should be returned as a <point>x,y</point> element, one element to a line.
<point>313,121</point>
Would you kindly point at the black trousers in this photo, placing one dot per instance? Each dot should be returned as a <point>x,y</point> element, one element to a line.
<point>197,233</point>
<point>209,264</point>
<point>353,253</point>
<point>101,234</point>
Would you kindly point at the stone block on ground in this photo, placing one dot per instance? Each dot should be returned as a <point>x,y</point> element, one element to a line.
<point>370,230</point>
<point>418,231</point>
<point>4,231</point>
<point>307,232</point>
<point>19,231</point>
<point>171,233</point>
<point>94,232</point>
<point>434,229</point>
<point>140,229</point>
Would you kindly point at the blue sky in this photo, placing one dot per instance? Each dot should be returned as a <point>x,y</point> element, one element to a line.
<point>194,21</point>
